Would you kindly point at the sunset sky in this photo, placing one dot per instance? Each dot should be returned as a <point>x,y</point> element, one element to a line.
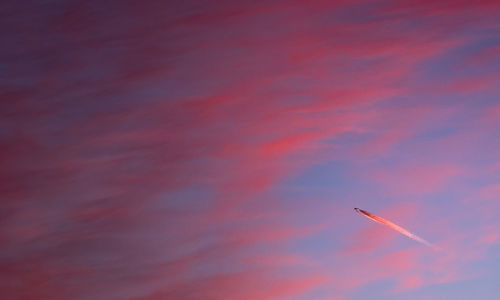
<point>213,150</point>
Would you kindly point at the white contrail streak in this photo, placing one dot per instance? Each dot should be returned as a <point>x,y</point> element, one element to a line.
<point>395,227</point>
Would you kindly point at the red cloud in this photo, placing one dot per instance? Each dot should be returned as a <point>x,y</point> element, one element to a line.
<point>141,145</point>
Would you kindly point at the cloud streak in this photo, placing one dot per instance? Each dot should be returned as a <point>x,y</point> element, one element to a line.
<point>202,150</point>
<point>394,226</point>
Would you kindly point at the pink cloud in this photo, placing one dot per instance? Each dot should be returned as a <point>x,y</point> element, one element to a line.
<point>416,179</point>
<point>485,56</point>
<point>141,145</point>
<point>369,239</point>
<point>490,191</point>
<point>399,261</point>
<point>409,283</point>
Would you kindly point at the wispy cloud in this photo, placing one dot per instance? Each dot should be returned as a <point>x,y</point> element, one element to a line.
<point>145,149</point>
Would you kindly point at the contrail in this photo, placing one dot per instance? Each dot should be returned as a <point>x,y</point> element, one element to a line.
<point>395,227</point>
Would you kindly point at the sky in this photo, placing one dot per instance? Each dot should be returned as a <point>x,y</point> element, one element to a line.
<point>216,149</point>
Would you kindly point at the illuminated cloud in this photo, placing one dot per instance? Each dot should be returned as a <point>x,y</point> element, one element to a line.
<point>171,150</point>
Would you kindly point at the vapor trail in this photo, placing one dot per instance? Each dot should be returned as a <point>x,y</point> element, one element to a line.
<point>395,227</point>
